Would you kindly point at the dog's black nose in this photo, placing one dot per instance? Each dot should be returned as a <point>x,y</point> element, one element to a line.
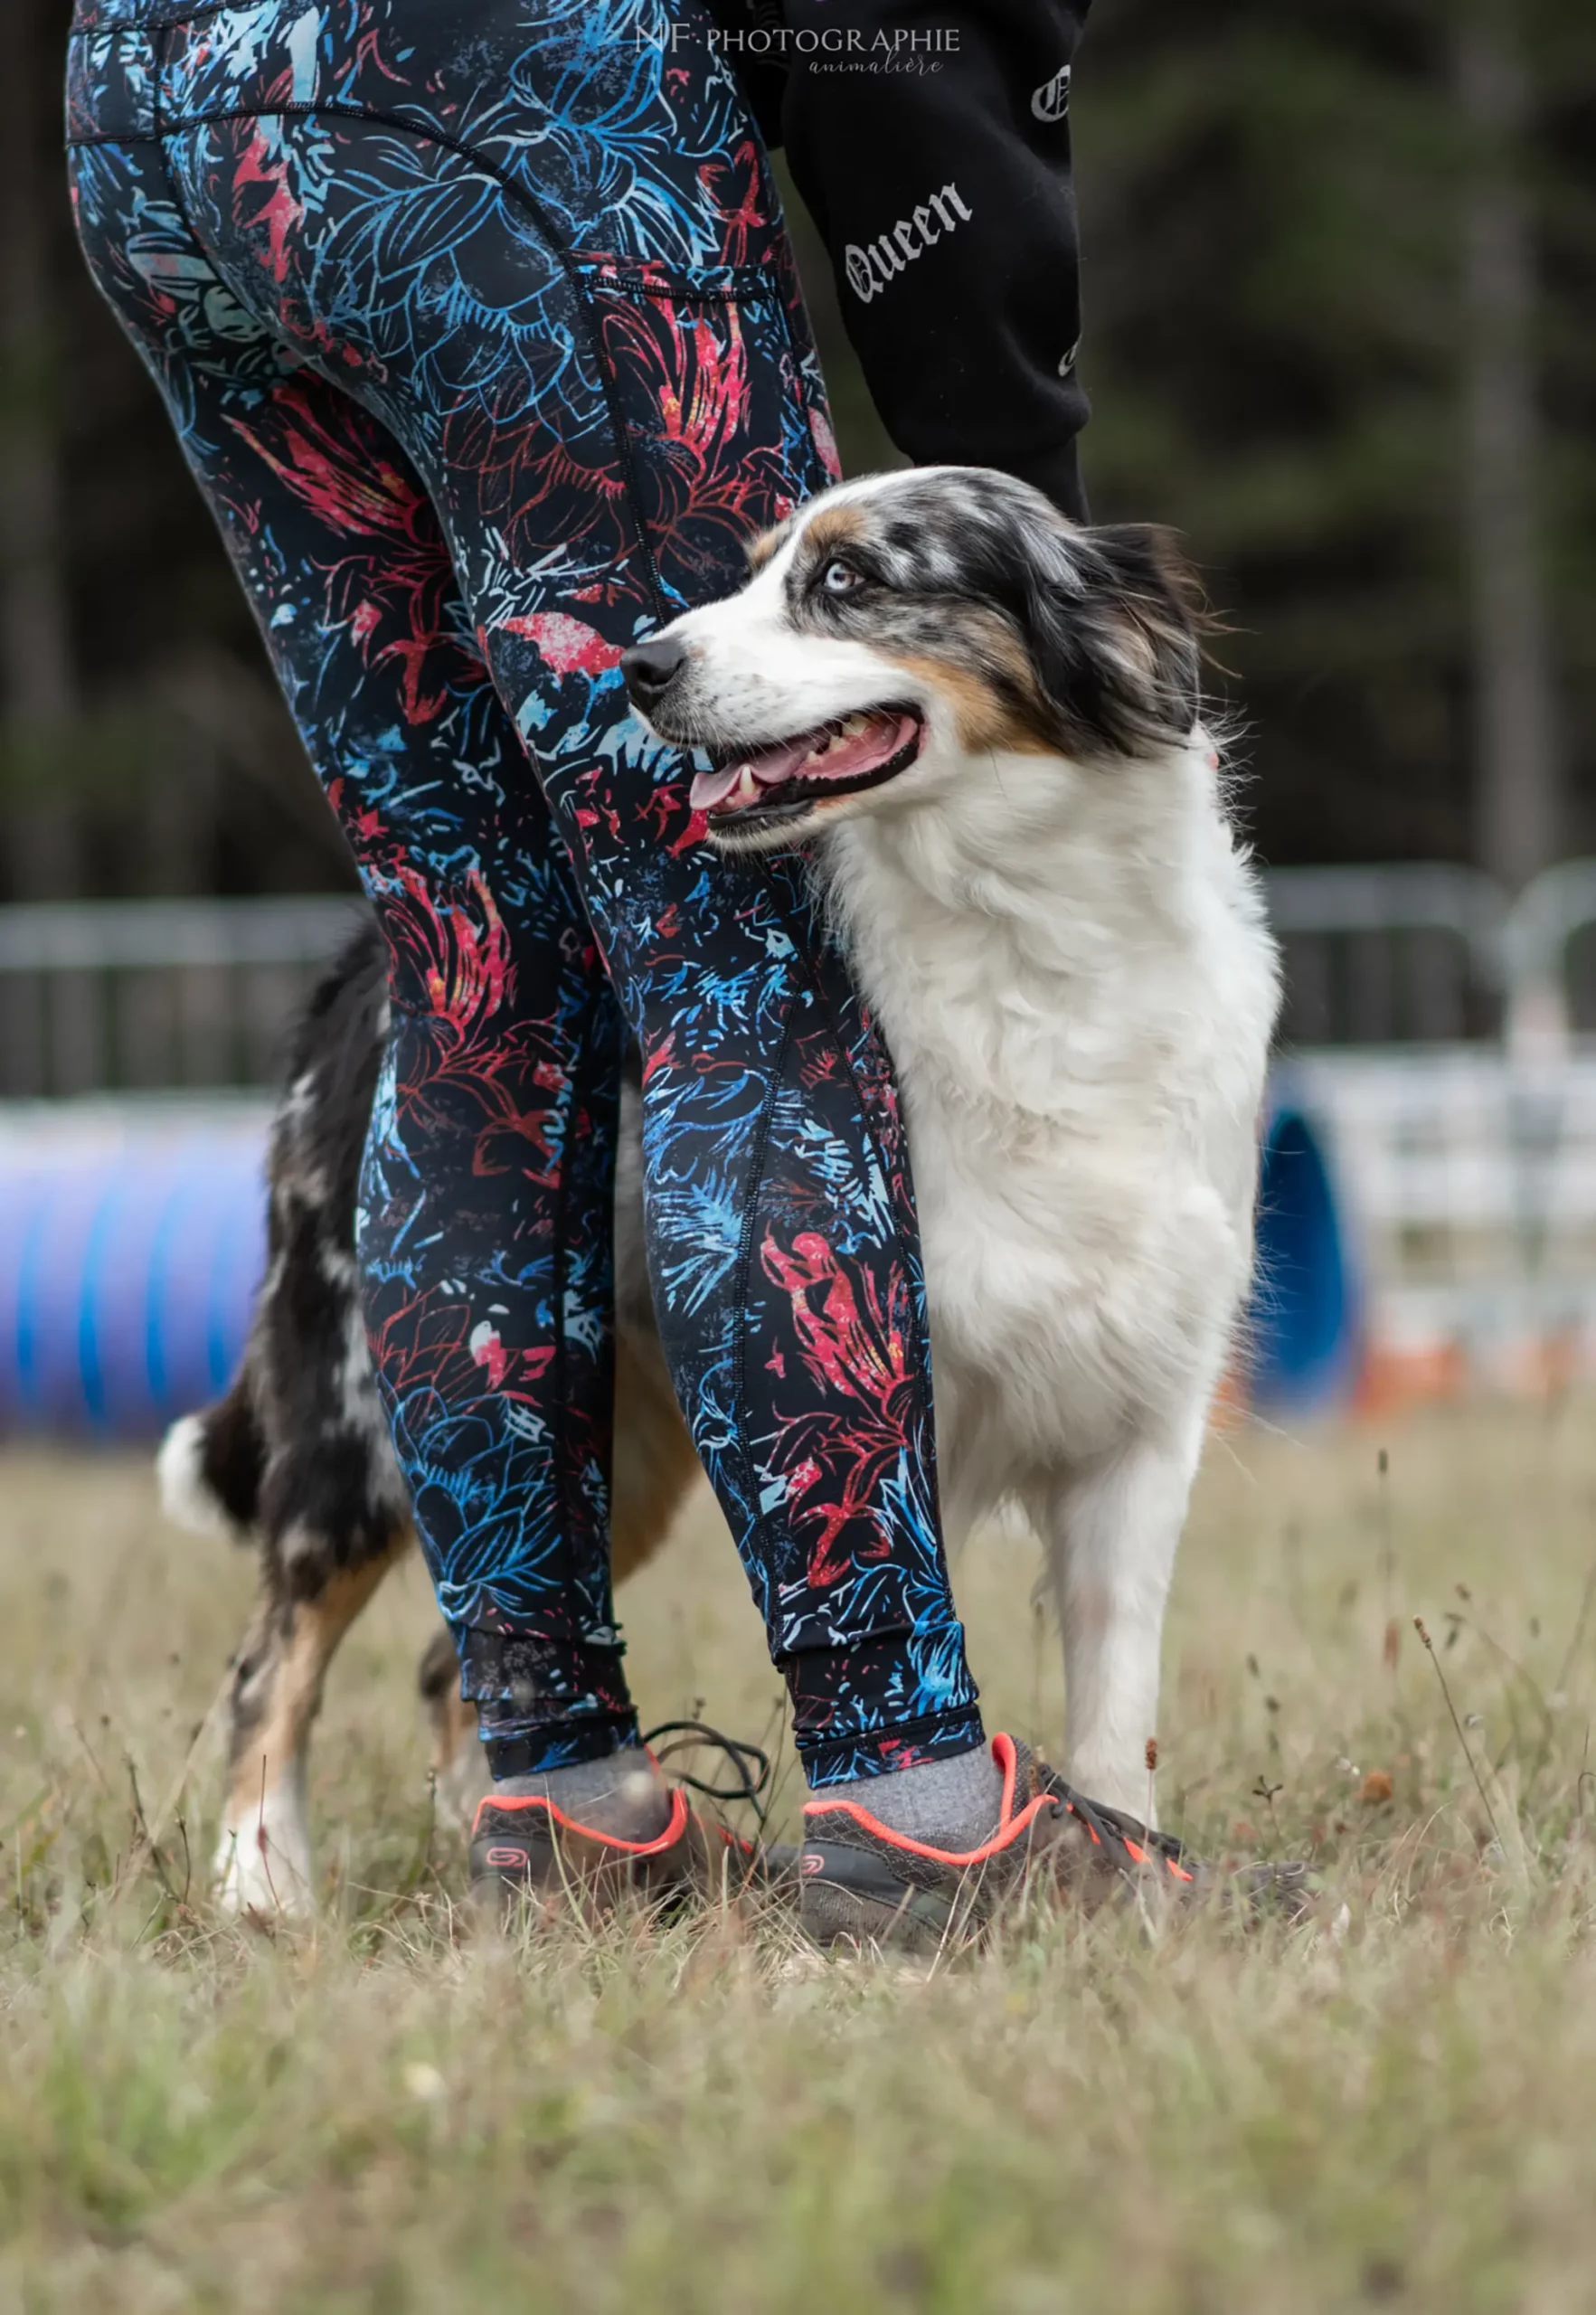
<point>651,668</point>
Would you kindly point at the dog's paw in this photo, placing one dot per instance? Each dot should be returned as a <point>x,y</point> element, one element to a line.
<point>262,1863</point>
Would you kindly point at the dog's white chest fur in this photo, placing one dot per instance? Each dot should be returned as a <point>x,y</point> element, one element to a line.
<point>1071,970</point>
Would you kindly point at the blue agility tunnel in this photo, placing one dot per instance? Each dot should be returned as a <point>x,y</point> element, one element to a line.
<point>131,1246</point>
<point>132,1241</point>
<point>1302,1327</point>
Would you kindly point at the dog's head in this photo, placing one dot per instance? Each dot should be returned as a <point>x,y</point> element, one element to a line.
<point>897,630</point>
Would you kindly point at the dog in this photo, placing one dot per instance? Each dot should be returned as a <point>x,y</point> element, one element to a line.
<point>983,724</point>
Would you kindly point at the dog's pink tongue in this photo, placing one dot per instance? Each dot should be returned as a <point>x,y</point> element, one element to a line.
<point>769,766</point>
<point>710,787</point>
<point>844,759</point>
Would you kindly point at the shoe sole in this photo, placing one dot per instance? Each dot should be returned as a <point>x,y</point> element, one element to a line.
<point>848,1897</point>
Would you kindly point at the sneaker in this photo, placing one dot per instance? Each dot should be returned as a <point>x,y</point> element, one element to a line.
<point>863,1883</point>
<point>525,1846</point>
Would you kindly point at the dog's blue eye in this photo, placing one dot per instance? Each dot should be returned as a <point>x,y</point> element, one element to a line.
<point>840,579</point>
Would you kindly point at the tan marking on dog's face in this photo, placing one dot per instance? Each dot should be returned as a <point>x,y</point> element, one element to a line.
<point>768,542</point>
<point>833,532</point>
<point>987,723</point>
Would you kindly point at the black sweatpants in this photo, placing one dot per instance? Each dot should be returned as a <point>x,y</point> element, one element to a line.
<point>931,143</point>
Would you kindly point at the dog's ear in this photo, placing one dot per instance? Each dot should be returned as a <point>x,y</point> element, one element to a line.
<point>1112,619</point>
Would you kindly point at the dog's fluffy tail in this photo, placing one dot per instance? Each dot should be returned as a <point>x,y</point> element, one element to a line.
<point>211,1467</point>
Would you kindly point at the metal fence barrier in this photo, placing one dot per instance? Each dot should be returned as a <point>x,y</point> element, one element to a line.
<point>148,996</point>
<point>1426,1213</point>
<point>143,995</point>
<point>1388,954</point>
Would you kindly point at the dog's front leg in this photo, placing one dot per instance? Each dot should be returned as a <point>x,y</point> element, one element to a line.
<point>263,1861</point>
<point>1112,1535</point>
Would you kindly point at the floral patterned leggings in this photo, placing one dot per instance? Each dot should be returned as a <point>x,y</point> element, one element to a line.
<point>477,323</point>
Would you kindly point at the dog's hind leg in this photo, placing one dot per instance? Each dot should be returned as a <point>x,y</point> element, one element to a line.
<point>459,1773</point>
<point>263,1861</point>
<point>1112,1533</point>
<point>331,1513</point>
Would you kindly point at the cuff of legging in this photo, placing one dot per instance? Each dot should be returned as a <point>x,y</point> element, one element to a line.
<point>532,1678</point>
<point>555,1744</point>
<point>544,1703</point>
<point>878,1752</point>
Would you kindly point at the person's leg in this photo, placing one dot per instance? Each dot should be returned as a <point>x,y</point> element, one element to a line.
<point>485,1237</point>
<point>603,381</point>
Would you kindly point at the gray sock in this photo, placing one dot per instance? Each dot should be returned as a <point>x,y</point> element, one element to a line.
<point>952,1804</point>
<point>624,1793</point>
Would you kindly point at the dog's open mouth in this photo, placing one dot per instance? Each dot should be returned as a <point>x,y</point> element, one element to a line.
<point>836,759</point>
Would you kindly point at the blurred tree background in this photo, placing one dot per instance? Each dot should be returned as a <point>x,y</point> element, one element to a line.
<point>1341,330</point>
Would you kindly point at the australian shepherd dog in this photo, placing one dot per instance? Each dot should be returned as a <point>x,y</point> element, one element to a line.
<point>983,725</point>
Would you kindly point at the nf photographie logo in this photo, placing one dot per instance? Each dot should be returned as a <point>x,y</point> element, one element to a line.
<point>869,270</point>
<point>828,48</point>
<point>1050,101</point>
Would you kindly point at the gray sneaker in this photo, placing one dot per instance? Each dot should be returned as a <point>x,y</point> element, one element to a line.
<point>525,1846</point>
<point>864,1884</point>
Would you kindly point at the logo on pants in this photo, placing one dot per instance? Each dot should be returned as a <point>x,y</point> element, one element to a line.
<point>869,270</point>
<point>1050,101</point>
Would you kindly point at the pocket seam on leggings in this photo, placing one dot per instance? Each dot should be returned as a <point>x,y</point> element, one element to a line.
<point>570,265</point>
<point>756,1183</point>
<point>682,282</point>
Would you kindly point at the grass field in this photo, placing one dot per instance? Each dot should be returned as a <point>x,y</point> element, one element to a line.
<point>1393,2104</point>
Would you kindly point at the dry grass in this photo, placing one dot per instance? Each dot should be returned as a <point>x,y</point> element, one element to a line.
<point>388,2114</point>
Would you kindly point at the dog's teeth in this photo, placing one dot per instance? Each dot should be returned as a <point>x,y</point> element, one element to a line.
<point>748,787</point>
